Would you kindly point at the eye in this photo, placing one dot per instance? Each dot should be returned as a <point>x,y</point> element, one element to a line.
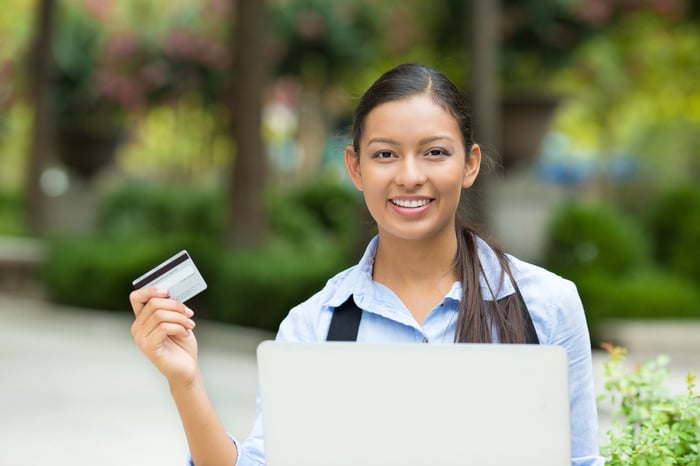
<point>437,152</point>
<point>383,154</point>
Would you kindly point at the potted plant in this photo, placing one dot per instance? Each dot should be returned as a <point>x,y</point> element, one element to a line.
<point>108,70</point>
<point>89,124</point>
<point>537,40</point>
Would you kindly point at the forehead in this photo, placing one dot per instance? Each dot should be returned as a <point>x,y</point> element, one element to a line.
<point>418,115</point>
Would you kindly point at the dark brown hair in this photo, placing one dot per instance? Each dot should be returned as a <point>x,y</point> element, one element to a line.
<point>480,318</point>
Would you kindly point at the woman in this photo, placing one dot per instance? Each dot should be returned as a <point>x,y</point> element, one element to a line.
<point>423,278</point>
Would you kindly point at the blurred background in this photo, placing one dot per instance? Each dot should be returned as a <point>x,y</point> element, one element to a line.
<point>132,129</point>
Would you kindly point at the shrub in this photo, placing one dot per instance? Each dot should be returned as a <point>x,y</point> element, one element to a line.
<point>585,240</point>
<point>607,255</point>
<point>148,210</point>
<point>259,288</point>
<point>313,235</point>
<point>651,426</point>
<point>309,213</point>
<point>97,272</point>
<point>642,295</point>
<point>673,223</point>
<point>11,215</point>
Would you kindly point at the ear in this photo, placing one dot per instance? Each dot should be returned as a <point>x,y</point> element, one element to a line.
<point>352,165</point>
<point>472,166</point>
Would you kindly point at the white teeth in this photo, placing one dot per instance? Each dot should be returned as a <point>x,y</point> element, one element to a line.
<point>410,204</point>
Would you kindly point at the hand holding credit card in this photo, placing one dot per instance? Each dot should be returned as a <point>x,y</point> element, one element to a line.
<point>178,275</point>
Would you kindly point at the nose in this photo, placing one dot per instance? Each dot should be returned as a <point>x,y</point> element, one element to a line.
<point>410,173</point>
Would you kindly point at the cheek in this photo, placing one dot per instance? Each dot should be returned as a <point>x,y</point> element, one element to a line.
<point>452,179</point>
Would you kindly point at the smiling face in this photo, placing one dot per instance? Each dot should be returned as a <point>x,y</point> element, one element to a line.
<point>411,167</point>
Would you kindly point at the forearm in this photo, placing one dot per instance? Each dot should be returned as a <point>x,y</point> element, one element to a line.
<point>207,439</point>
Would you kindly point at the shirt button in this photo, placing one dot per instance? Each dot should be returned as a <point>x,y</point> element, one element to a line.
<point>425,340</point>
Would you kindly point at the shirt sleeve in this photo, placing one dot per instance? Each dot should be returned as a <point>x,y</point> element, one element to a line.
<point>304,323</point>
<point>569,329</point>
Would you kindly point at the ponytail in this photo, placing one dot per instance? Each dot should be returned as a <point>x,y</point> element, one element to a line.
<point>481,318</point>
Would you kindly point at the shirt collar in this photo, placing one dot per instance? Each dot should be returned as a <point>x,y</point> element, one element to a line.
<point>358,282</point>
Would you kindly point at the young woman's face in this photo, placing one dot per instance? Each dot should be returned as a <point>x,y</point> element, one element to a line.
<point>411,167</point>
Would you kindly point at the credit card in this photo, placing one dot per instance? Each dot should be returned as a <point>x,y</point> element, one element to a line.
<point>178,275</point>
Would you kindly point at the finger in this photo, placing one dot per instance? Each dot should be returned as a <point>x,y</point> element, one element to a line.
<point>154,305</point>
<point>139,298</point>
<point>167,304</point>
<point>161,333</point>
<point>165,317</point>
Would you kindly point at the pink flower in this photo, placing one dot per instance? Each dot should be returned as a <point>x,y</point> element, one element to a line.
<point>101,10</point>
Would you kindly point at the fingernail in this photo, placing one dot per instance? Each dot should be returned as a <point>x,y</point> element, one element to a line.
<point>189,312</point>
<point>162,291</point>
<point>192,323</point>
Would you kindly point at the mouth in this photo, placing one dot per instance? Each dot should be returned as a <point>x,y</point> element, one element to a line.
<point>410,203</point>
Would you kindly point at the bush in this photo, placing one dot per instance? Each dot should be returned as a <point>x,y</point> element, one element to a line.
<point>309,213</point>
<point>97,272</point>
<point>11,214</point>
<point>607,255</point>
<point>645,294</point>
<point>585,240</point>
<point>258,289</point>
<point>673,222</point>
<point>652,426</point>
<point>313,236</point>
<point>146,210</point>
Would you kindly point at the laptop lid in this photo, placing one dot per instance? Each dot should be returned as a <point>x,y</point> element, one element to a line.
<point>346,404</point>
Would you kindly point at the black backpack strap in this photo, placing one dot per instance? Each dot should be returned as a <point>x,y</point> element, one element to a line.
<point>530,332</point>
<point>345,322</point>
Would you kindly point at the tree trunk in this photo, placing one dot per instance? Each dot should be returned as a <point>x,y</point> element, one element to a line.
<point>312,119</point>
<point>246,223</point>
<point>482,18</point>
<point>41,136</point>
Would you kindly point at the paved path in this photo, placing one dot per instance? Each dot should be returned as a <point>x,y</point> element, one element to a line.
<point>76,391</point>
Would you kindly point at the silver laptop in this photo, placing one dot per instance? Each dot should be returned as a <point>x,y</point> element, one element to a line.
<point>349,404</point>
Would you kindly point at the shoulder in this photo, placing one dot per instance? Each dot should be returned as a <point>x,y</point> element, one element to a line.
<point>309,320</point>
<point>539,281</point>
<point>553,301</point>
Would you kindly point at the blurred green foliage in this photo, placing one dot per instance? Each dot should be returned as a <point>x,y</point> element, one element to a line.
<point>96,271</point>
<point>633,89</point>
<point>143,210</point>
<point>673,221</point>
<point>258,288</point>
<point>184,142</point>
<point>11,218</point>
<point>328,37</point>
<point>315,228</point>
<point>111,60</point>
<point>593,239</point>
<point>15,126</point>
<point>651,426</point>
<point>631,266</point>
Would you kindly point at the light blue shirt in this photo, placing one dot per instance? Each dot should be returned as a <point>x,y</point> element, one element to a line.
<point>554,306</point>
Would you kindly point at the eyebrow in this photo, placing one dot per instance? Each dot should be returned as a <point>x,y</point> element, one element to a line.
<point>396,143</point>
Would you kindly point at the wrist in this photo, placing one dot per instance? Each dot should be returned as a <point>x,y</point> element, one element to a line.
<point>184,385</point>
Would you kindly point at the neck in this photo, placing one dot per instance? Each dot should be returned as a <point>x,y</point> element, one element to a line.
<point>401,262</point>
